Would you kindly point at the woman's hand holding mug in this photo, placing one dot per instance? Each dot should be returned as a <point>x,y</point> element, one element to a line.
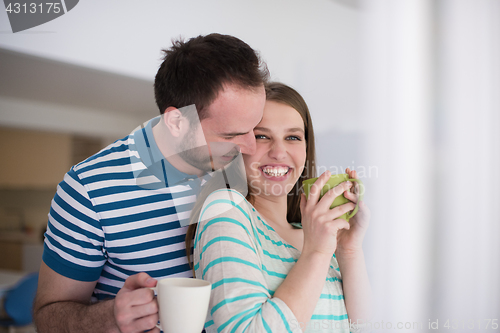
<point>350,241</point>
<point>320,223</point>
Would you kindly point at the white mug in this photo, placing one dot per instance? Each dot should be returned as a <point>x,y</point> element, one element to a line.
<point>182,304</point>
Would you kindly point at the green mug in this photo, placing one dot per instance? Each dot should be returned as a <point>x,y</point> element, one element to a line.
<point>341,199</point>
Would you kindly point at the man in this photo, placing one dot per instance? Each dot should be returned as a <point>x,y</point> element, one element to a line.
<point>114,224</point>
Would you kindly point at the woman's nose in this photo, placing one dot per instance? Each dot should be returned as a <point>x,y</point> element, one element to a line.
<point>277,151</point>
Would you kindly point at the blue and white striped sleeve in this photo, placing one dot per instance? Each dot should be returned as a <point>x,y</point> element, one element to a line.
<point>74,238</point>
<point>227,254</point>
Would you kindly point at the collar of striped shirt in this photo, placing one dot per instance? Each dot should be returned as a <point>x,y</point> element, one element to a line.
<point>156,163</point>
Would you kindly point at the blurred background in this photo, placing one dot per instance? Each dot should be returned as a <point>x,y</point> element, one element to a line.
<point>407,92</point>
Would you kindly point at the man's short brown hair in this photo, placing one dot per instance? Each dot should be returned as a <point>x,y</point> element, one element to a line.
<point>194,72</point>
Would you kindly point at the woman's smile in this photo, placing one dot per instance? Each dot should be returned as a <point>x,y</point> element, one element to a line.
<point>280,153</point>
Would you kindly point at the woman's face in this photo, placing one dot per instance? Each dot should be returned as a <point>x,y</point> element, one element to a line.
<point>281,151</point>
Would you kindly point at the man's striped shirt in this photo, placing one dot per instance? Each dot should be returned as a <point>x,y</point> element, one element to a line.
<point>118,213</point>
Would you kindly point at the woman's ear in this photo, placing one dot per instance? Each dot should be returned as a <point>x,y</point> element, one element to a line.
<point>174,120</point>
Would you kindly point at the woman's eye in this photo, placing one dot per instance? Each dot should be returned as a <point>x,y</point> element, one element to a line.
<point>260,136</point>
<point>294,138</point>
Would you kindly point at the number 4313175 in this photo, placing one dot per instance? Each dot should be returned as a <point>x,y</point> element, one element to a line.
<point>471,324</point>
<point>33,8</point>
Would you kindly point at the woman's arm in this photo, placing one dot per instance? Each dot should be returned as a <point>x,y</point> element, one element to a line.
<point>302,287</point>
<point>356,286</point>
<point>350,256</point>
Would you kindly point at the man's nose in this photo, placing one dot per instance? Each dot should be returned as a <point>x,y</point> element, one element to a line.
<point>248,144</point>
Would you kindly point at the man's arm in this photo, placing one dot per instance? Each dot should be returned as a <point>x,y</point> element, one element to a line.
<point>63,305</point>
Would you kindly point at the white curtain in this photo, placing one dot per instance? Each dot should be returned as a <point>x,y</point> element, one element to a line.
<point>430,97</point>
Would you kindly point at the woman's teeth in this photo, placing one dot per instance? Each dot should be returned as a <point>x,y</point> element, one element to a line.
<point>276,171</point>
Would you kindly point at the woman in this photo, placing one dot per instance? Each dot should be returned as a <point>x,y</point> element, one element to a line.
<point>269,275</point>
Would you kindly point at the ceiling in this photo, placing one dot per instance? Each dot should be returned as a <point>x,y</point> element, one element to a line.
<point>33,78</point>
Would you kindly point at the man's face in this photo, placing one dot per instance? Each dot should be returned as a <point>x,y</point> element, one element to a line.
<point>227,130</point>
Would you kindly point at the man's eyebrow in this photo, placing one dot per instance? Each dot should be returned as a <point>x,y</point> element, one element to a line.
<point>240,133</point>
<point>234,134</point>
<point>292,129</point>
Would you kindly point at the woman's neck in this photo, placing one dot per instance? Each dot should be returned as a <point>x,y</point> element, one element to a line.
<point>273,209</point>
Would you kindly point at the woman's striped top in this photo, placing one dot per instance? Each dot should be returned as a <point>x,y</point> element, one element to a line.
<point>246,261</point>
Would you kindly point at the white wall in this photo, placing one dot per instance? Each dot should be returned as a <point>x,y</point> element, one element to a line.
<point>431,92</point>
<point>311,45</point>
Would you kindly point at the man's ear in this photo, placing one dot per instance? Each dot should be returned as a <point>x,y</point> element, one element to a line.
<point>174,120</point>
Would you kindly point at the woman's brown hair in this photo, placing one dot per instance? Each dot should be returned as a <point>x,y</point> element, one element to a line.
<point>280,93</point>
